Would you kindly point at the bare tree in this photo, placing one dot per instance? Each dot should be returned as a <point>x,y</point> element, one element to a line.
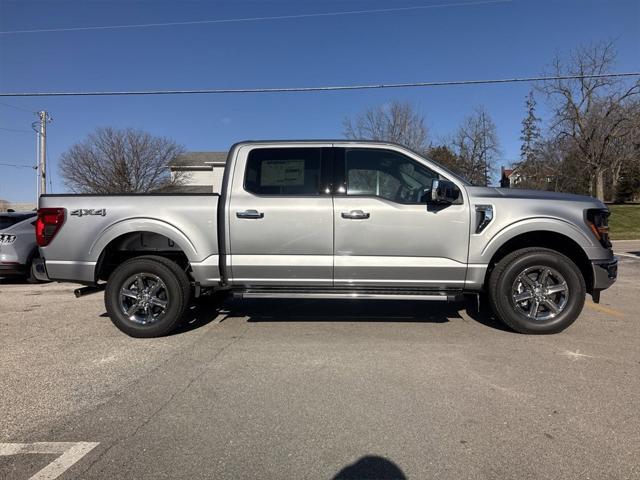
<point>624,157</point>
<point>476,144</point>
<point>120,161</point>
<point>396,122</point>
<point>626,166</point>
<point>590,112</point>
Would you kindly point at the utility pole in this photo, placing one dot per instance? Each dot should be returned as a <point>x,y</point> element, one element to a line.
<point>484,150</point>
<point>42,151</point>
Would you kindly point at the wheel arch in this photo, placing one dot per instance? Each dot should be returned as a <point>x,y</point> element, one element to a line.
<point>117,248</point>
<point>133,225</point>
<point>551,240</point>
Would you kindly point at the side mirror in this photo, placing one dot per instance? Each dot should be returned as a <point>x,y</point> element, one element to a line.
<point>444,192</point>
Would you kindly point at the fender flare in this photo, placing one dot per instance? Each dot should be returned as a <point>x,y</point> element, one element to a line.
<point>535,224</point>
<point>142,224</point>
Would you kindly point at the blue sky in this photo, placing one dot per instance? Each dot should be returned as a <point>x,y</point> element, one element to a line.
<point>516,38</point>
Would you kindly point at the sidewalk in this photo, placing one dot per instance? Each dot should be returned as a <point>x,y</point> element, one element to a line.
<point>627,246</point>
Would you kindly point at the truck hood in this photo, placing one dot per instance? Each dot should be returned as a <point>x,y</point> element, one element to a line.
<point>538,195</point>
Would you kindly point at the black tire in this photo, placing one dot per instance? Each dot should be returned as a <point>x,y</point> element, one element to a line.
<point>505,276</point>
<point>176,291</point>
<point>31,278</point>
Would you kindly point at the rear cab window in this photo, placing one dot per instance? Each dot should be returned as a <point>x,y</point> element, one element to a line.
<point>8,220</point>
<point>286,171</point>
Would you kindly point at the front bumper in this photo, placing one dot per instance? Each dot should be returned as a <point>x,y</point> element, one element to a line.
<point>604,274</point>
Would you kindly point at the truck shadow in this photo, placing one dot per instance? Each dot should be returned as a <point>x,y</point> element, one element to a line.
<point>13,281</point>
<point>255,311</point>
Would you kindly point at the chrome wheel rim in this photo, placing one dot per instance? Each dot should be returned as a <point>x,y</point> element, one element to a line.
<point>144,298</point>
<point>540,293</point>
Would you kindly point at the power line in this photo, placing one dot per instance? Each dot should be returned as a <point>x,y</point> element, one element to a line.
<point>15,130</point>
<point>313,89</point>
<point>46,153</point>
<point>256,19</point>
<point>18,166</point>
<point>17,108</point>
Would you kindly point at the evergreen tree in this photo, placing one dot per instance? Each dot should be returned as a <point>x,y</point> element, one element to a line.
<point>530,133</point>
<point>530,168</point>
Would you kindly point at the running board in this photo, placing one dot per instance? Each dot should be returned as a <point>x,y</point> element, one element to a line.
<point>348,295</point>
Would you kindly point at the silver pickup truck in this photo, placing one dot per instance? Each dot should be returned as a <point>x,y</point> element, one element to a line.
<point>331,220</point>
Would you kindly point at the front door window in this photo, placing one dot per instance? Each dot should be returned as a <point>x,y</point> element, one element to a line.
<point>388,175</point>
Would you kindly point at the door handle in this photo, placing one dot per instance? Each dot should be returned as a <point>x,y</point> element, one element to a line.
<point>355,215</point>
<point>250,214</point>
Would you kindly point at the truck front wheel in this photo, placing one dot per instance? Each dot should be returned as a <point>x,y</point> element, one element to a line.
<point>147,296</point>
<point>536,291</point>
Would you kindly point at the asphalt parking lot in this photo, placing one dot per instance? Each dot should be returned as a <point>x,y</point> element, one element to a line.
<point>319,389</point>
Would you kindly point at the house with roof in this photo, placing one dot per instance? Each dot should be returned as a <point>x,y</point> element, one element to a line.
<point>200,172</point>
<point>514,177</point>
<point>509,177</point>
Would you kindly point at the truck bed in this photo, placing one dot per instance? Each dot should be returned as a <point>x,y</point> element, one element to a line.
<point>97,225</point>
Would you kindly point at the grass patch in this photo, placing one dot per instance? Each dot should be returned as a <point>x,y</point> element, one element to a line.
<point>624,222</point>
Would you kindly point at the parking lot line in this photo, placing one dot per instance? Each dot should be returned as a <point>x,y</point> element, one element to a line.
<point>628,255</point>
<point>70,453</point>
<point>603,309</point>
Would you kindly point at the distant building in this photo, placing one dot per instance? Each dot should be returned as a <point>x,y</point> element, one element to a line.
<point>202,171</point>
<point>509,177</point>
<point>15,206</point>
<point>513,177</point>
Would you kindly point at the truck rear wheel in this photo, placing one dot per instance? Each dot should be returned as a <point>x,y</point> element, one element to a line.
<point>536,291</point>
<point>147,296</point>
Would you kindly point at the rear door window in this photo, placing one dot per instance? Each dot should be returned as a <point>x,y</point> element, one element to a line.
<point>284,171</point>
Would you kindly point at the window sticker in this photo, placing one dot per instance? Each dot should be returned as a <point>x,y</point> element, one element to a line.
<point>282,173</point>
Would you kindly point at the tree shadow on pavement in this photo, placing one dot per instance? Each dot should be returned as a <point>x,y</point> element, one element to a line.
<point>371,467</point>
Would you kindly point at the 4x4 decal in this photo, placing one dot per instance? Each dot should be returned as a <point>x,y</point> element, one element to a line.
<point>81,212</point>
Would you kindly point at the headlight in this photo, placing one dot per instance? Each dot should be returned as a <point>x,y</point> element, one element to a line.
<point>6,239</point>
<point>598,221</point>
